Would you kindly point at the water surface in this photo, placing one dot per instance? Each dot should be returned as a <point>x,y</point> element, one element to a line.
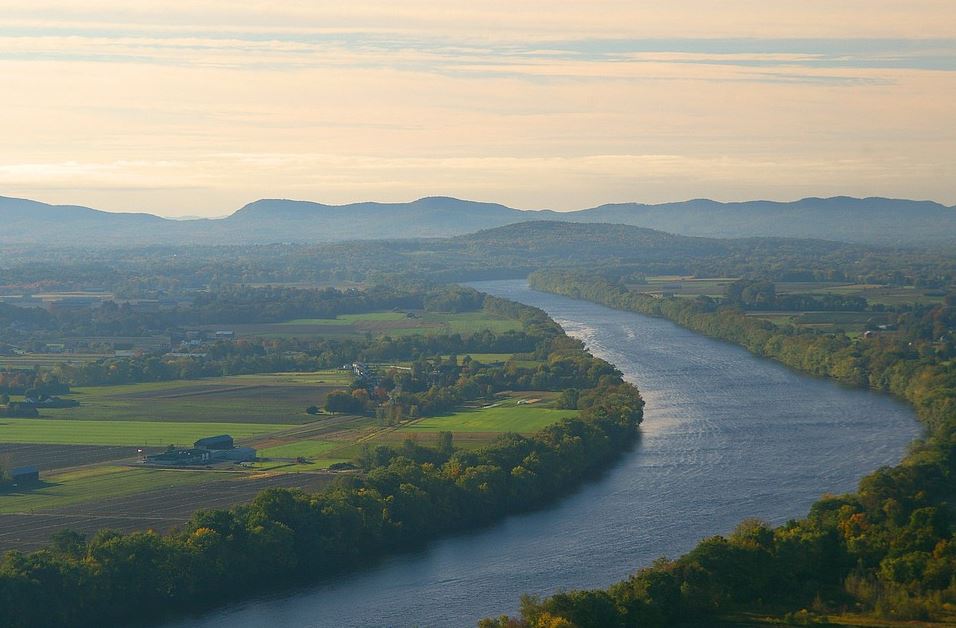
<point>726,436</point>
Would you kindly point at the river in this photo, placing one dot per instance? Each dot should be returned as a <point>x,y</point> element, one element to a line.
<point>726,436</point>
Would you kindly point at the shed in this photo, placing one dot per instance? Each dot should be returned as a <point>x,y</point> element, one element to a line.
<point>21,475</point>
<point>223,441</point>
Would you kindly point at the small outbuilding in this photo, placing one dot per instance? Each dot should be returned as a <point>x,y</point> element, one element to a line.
<point>25,475</point>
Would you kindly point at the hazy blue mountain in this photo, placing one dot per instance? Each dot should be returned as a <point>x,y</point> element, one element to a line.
<point>868,220</point>
<point>434,216</point>
<point>872,220</point>
<point>24,221</point>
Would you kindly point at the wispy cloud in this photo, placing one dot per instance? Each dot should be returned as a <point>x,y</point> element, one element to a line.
<point>185,107</point>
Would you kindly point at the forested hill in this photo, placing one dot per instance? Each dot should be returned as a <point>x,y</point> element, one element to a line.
<point>871,220</point>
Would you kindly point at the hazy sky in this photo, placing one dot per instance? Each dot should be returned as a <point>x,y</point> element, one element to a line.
<point>197,107</point>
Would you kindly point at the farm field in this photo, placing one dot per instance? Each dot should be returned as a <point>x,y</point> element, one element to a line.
<point>161,507</point>
<point>280,398</point>
<point>49,457</point>
<point>129,433</point>
<point>95,483</point>
<point>379,324</point>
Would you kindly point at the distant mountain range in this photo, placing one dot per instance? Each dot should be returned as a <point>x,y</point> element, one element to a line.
<point>870,220</point>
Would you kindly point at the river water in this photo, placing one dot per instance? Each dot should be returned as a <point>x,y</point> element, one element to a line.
<point>726,436</point>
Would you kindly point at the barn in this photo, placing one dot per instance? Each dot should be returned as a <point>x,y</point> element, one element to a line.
<point>223,441</point>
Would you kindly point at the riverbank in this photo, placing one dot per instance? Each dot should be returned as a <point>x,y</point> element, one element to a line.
<point>888,549</point>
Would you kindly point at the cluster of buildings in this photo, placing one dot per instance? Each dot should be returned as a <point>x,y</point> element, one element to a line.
<point>204,451</point>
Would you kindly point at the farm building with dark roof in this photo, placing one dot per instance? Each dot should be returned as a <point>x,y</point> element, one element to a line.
<point>223,441</point>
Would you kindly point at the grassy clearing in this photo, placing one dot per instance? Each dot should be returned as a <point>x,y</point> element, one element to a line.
<point>95,483</point>
<point>525,419</point>
<point>131,433</point>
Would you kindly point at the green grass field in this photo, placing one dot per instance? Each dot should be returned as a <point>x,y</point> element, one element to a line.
<point>525,419</point>
<point>101,482</point>
<point>131,433</point>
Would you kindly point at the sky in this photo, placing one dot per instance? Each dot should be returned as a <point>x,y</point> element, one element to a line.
<point>199,107</point>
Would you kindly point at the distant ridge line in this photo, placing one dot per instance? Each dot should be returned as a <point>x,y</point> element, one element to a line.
<point>871,220</point>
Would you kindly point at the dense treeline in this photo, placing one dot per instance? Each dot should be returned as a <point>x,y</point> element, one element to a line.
<point>889,548</point>
<point>409,494</point>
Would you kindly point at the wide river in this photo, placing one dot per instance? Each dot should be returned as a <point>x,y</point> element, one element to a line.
<point>726,436</point>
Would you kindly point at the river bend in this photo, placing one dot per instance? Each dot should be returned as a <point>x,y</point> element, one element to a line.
<point>726,436</point>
